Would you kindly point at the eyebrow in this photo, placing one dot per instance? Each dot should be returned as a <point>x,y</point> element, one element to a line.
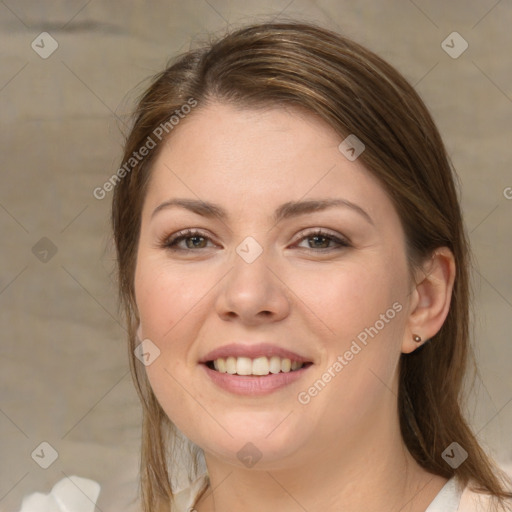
<point>285,211</point>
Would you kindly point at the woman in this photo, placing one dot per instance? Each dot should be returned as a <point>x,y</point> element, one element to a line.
<point>294,271</point>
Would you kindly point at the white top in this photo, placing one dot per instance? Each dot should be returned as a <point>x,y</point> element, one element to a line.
<point>76,494</point>
<point>447,500</point>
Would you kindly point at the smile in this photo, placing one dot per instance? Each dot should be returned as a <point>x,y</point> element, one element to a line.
<point>259,366</point>
<point>257,377</point>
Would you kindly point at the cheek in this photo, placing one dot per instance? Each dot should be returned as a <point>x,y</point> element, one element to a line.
<point>165,296</point>
<point>344,299</point>
<point>362,309</point>
<point>168,301</point>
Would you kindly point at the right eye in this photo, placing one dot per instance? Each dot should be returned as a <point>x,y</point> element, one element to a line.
<point>187,234</point>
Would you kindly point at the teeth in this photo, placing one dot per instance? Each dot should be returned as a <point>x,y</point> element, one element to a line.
<point>243,366</point>
<point>221,365</point>
<point>257,366</point>
<point>275,364</point>
<point>231,365</point>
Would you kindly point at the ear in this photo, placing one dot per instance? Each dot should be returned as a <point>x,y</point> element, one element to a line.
<point>431,298</point>
<point>139,332</point>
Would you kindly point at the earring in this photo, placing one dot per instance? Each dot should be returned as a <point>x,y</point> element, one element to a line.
<point>416,338</point>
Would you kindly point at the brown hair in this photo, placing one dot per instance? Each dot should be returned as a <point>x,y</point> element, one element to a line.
<point>355,92</point>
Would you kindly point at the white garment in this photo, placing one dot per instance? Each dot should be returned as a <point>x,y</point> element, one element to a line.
<point>73,494</point>
<point>184,500</point>
<point>448,498</point>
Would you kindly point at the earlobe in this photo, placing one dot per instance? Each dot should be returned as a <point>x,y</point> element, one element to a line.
<point>433,292</point>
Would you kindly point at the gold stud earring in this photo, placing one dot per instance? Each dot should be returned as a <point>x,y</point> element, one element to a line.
<point>416,338</point>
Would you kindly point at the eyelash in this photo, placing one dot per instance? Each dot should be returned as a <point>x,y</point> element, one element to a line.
<point>172,241</point>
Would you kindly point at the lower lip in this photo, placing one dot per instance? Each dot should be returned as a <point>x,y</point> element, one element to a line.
<point>253,385</point>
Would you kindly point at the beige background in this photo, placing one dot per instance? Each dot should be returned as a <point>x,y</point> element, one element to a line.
<point>64,375</point>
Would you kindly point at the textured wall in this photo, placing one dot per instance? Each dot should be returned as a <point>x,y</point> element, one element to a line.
<point>64,374</point>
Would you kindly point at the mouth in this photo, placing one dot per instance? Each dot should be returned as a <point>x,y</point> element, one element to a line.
<point>255,367</point>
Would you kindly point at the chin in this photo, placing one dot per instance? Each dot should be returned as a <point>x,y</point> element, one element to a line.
<point>267,445</point>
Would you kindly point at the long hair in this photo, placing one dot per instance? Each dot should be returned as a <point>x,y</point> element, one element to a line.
<point>355,92</point>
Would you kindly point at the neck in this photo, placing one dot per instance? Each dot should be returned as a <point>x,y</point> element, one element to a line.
<point>372,471</point>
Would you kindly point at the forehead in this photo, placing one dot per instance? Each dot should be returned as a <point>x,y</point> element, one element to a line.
<point>247,158</point>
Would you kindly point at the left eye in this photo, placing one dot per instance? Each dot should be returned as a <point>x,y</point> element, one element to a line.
<point>198,240</point>
<point>323,237</point>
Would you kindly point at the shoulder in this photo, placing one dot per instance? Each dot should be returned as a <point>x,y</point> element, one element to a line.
<point>472,501</point>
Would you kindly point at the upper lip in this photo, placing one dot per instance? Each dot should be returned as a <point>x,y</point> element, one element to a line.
<point>253,351</point>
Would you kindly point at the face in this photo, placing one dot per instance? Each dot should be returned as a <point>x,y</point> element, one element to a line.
<point>327,288</point>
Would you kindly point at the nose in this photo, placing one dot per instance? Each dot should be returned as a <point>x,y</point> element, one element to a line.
<point>253,293</point>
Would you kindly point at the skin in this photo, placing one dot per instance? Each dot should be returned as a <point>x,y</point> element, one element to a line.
<point>345,444</point>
